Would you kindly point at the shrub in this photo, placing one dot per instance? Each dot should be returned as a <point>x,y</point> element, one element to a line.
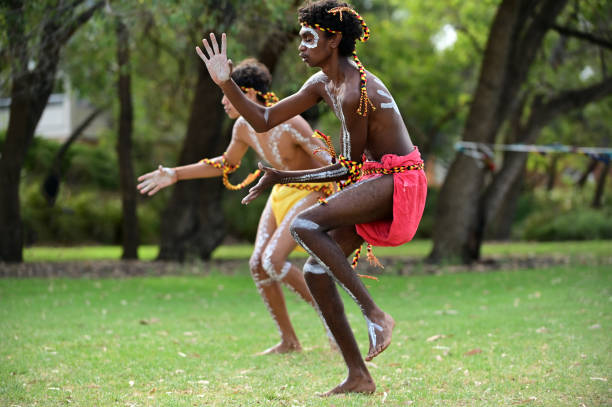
<point>577,224</point>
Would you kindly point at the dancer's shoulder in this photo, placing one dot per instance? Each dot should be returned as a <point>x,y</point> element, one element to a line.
<point>316,79</point>
<point>241,128</point>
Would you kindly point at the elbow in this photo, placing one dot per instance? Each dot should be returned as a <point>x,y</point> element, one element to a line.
<point>263,125</point>
<point>261,128</point>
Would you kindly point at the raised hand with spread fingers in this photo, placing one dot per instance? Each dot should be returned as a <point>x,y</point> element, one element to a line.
<point>219,67</point>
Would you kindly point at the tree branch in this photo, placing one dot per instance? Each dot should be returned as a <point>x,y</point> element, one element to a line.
<point>570,32</point>
<point>70,28</point>
<point>544,112</point>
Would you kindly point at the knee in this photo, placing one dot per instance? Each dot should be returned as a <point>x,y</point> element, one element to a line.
<point>256,268</point>
<point>274,265</point>
<point>301,227</point>
<point>312,267</point>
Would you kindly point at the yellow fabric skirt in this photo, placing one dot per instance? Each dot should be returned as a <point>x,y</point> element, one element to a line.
<point>284,197</point>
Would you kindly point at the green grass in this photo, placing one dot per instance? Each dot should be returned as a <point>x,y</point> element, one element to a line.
<point>543,337</point>
<point>417,248</point>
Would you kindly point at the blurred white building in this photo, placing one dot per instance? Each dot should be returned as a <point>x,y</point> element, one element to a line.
<point>63,114</point>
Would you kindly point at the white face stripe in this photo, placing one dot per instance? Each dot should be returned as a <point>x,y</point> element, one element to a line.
<point>315,37</point>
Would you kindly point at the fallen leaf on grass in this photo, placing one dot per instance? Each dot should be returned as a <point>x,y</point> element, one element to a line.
<point>435,338</point>
<point>473,352</point>
<point>596,326</point>
<point>602,379</point>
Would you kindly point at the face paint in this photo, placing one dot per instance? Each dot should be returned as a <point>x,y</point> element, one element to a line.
<point>315,37</point>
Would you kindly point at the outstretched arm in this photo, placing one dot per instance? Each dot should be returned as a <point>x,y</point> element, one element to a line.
<point>272,176</point>
<point>260,118</point>
<point>163,177</point>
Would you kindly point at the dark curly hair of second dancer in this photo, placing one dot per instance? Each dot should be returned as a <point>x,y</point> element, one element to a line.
<point>317,13</point>
<point>250,73</point>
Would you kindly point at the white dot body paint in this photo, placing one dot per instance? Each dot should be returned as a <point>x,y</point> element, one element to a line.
<point>315,37</point>
<point>389,105</point>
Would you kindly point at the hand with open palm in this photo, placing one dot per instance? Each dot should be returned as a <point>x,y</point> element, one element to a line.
<point>153,181</point>
<point>270,177</point>
<point>219,67</point>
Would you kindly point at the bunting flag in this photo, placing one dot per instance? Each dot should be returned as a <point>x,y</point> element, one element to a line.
<point>484,152</point>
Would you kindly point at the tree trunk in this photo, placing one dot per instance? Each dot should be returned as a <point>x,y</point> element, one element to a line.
<point>50,187</point>
<point>127,179</point>
<point>551,173</point>
<point>585,175</point>
<point>601,184</point>
<point>514,164</point>
<point>500,227</point>
<point>459,201</point>
<point>30,91</point>
<point>192,224</point>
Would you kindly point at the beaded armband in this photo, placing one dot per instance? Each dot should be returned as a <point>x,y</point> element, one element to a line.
<point>228,169</point>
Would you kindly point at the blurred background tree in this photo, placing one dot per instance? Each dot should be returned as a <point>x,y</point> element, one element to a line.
<point>541,66</point>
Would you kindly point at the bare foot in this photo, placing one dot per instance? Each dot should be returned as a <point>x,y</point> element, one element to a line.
<point>283,347</point>
<point>360,384</point>
<point>379,331</point>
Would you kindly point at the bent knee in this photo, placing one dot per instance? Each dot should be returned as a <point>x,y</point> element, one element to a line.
<point>302,226</point>
<point>313,267</point>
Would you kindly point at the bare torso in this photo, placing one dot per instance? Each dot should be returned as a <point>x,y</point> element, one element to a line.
<point>382,132</point>
<point>288,146</point>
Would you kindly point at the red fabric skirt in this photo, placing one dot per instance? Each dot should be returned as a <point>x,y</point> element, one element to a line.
<point>410,191</point>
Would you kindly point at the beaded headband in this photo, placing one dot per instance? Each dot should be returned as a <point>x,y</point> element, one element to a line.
<point>364,101</point>
<point>269,97</point>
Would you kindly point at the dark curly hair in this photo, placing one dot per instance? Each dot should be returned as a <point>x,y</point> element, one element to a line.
<point>250,73</point>
<point>317,13</point>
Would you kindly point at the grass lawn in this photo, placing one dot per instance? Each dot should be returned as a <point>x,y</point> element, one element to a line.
<point>417,248</point>
<point>528,337</point>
